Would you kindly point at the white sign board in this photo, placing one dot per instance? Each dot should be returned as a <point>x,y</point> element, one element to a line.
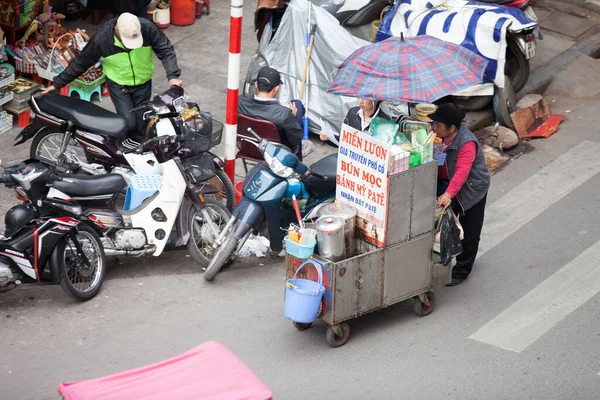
<point>362,181</point>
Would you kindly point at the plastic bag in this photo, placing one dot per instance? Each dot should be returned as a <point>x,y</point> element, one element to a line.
<point>450,236</point>
<point>383,130</point>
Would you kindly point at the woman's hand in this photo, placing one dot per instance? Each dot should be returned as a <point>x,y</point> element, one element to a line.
<point>444,200</point>
<point>323,136</point>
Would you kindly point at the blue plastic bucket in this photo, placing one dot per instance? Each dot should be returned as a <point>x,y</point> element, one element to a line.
<point>303,296</point>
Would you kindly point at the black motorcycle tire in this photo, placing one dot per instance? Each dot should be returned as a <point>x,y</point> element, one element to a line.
<point>196,254</point>
<point>228,188</point>
<point>222,255</point>
<point>38,139</point>
<point>65,282</point>
<point>517,65</point>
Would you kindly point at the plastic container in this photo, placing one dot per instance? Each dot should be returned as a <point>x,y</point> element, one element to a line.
<point>140,187</point>
<point>183,12</point>
<point>303,297</point>
<point>298,250</point>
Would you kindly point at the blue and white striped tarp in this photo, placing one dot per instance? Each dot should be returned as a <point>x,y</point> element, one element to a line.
<point>478,27</point>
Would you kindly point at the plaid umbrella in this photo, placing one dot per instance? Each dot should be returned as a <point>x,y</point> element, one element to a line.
<point>420,69</point>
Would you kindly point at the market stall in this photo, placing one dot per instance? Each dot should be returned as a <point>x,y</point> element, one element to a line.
<point>374,245</point>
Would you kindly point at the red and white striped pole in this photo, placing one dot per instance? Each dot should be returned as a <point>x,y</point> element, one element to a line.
<point>233,85</point>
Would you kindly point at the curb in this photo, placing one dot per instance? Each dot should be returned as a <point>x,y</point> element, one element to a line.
<point>544,75</point>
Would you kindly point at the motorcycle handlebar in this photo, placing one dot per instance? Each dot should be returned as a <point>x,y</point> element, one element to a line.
<point>139,108</point>
<point>316,174</point>
<point>251,131</point>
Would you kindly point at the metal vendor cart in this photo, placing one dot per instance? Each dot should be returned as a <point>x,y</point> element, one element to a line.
<point>377,278</point>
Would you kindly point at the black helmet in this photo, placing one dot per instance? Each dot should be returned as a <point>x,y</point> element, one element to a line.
<point>16,218</point>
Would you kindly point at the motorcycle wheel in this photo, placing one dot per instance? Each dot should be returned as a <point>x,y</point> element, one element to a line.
<point>221,257</point>
<point>201,236</point>
<point>46,147</point>
<point>516,66</point>
<point>77,280</point>
<point>227,192</point>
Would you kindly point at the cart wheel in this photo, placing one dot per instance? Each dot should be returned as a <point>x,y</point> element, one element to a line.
<point>301,326</point>
<point>337,341</point>
<point>420,309</point>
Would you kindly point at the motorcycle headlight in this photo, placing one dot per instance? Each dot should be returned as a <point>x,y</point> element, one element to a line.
<point>277,167</point>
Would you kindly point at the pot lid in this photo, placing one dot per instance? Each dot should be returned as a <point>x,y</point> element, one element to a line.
<point>330,223</point>
<point>343,210</point>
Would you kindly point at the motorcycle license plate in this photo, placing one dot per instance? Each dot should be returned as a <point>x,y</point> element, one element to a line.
<point>530,49</point>
<point>530,14</point>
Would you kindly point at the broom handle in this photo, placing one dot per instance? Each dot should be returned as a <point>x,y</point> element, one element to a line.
<point>310,46</point>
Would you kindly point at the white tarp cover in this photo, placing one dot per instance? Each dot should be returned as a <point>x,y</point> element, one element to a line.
<point>287,53</point>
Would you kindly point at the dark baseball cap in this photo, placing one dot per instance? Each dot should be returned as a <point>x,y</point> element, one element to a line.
<point>268,77</point>
<point>448,114</point>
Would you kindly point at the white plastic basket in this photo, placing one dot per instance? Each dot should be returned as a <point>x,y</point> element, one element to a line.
<point>48,73</point>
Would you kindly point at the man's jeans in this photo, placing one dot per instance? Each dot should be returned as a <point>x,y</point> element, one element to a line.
<point>299,120</point>
<point>126,98</point>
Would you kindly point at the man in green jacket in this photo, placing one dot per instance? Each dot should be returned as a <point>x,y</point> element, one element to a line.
<point>126,44</point>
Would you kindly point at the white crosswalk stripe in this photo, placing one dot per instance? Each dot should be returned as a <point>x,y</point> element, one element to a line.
<point>533,196</point>
<point>538,311</point>
<point>550,302</point>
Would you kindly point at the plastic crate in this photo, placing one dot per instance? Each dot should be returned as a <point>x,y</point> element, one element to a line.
<point>141,187</point>
<point>399,163</point>
<point>425,151</point>
<point>299,250</point>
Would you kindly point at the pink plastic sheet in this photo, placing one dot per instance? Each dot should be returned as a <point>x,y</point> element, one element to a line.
<point>209,371</point>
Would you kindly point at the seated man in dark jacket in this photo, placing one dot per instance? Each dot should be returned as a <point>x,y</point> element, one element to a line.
<point>265,106</point>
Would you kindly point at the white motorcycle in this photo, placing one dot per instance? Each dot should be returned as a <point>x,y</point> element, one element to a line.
<point>70,131</point>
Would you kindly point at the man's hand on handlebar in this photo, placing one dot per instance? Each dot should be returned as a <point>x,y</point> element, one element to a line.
<point>175,82</point>
<point>48,89</point>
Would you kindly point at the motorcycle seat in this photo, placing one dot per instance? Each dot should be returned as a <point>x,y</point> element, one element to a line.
<point>83,114</point>
<point>94,185</point>
<point>365,15</point>
<point>326,166</point>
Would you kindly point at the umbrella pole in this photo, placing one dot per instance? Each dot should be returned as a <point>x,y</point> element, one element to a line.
<point>309,35</point>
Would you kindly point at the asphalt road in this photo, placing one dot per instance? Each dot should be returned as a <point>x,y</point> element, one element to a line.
<point>524,326</point>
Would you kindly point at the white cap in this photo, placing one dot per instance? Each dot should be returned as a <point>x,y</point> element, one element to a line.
<point>130,31</point>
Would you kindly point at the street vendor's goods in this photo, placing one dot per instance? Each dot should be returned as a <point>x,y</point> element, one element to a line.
<point>424,110</point>
<point>99,144</point>
<point>303,296</point>
<point>348,213</point>
<point>330,238</point>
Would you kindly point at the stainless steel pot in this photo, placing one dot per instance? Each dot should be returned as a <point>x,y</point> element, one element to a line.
<point>330,238</point>
<point>348,213</point>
